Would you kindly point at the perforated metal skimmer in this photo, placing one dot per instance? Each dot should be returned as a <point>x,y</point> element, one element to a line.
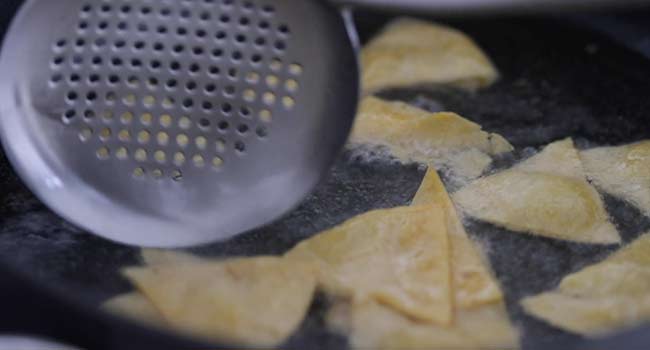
<point>175,122</point>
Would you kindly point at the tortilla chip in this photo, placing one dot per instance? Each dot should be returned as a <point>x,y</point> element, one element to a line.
<point>398,257</point>
<point>411,52</point>
<point>601,298</point>
<point>622,171</point>
<point>473,283</point>
<point>557,158</point>
<point>164,257</point>
<point>374,326</point>
<point>136,307</point>
<point>413,134</point>
<point>588,316</point>
<point>625,272</point>
<point>468,165</point>
<point>253,301</point>
<point>546,195</point>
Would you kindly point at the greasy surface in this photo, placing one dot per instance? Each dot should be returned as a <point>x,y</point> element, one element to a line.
<point>546,195</point>
<point>622,171</point>
<point>557,81</point>
<point>600,298</point>
<point>410,52</point>
<point>473,283</point>
<point>224,300</point>
<point>398,257</point>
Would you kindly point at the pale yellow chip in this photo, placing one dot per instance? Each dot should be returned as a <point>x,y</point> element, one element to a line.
<point>374,326</point>
<point>473,284</point>
<point>589,316</point>
<point>164,257</point>
<point>413,134</point>
<point>622,171</point>
<point>601,298</point>
<point>134,306</point>
<point>625,272</point>
<point>253,301</point>
<point>542,196</point>
<point>558,158</point>
<point>489,326</point>
<point>480,319</point>
<point>468,165</point>
<point>398,257</point>
<point>411,52</point>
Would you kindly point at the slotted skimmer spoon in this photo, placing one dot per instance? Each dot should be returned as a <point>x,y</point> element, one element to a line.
<point>175,122</point>
<point>179,122</point>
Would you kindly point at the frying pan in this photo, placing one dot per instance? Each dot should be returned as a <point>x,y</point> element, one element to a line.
<point>585,77</point>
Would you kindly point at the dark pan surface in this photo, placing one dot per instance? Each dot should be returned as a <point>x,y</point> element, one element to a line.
<point>558,81</point>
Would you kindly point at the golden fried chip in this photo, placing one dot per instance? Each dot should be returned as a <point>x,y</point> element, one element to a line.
<point>544,195</point>
<point>163,256</point>
<point>410,52</point>
<point>480,322</point>
<point>608,278</point>
<point>625,272</point>
<point>589,316</point>
<point>489,326</point>
<point>468,165</point>
<point>254,301</point>
<point>374,326</point>
<point>473,284</point>
<point>398,257</point>
<point>413,134</point>
<point>558,158</point>
<point>135,306</point>
<point>600,298</point>
<point>622,171</point>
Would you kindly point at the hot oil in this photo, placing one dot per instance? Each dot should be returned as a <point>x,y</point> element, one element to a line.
<point>551,88</point>
<point>532,112</point>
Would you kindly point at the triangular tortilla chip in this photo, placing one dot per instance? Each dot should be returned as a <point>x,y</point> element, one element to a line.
<point>164,257</point>
<point>625,272</point>
<point>558,158</point>
<point>468,165</point>
<point>540,196</point>
<point>481,321</point>
<point>489,326</point>
<point>622,171</point>
<point>135,306</point>
<point>410,52</point>
<point>473,283</point>
<point>413,134</point>
<point>398,257</point>
<point>603,297</point>
<point>588,316</point>
<point>374,326</point>
<point>254,301</point>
